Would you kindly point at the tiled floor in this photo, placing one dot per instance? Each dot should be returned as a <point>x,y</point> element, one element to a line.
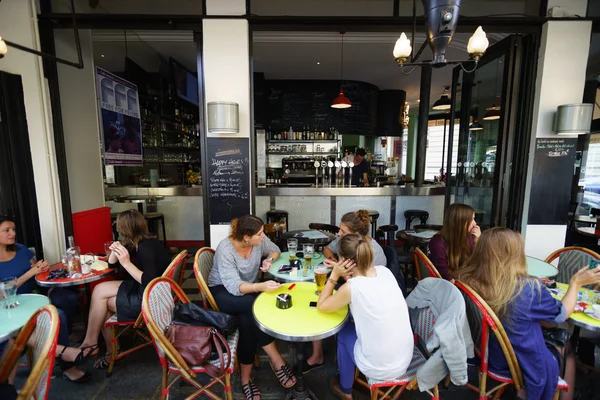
<point>138,376</point>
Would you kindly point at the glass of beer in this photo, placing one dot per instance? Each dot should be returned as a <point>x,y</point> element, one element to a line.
<point>308,250</point>
<point>292,245</point>
<point>320,278</point>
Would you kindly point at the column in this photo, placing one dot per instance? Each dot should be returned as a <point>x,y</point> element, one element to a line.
<point>226,58</point>
<point>560,80</point>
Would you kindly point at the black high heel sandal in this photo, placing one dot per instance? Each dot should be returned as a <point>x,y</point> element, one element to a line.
<point>251,391</point>
<point>82,356</point>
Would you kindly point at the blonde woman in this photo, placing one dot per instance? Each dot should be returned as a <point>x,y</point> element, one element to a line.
<point>497,271</point>
<point>379,341</point>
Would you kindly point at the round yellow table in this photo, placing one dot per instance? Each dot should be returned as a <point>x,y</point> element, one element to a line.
<point>299,323</point>
<point>580,319</point>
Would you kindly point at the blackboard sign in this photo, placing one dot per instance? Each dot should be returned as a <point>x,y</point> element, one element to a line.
<point>551,181</point>
<point>228,179</point>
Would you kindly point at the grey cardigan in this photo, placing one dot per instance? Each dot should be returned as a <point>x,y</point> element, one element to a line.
<point>452,336</point>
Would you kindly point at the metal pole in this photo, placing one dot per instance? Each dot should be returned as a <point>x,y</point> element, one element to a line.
<point>423,125</point>
<point>443,149</point>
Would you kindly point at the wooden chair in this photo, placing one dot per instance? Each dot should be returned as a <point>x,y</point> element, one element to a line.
<point>174,271</point>
<point>157,308</point>
<point>570,260</point>
<point>482,320</point>
<point>424,266</point>
<point>43,325</point>
<point>394,388</point>
<point>203,263</point>
<point>273,231</point>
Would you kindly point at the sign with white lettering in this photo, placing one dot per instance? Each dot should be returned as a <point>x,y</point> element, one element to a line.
<point>120,123</point>
<point>228,179</point>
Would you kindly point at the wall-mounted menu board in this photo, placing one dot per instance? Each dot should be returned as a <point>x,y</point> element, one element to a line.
<point>551,181</point>
<point>228,179</point>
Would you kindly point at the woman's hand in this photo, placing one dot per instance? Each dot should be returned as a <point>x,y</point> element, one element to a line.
<point>39,267</point>
<point>121,252</point>
<point>266,265</point>
<point>268,286</point>
<point>343,269</point>
<point>586,276</point>
<point>475,231</point>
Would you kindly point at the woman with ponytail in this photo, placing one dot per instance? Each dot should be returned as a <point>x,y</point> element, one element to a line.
<point>379,341</point>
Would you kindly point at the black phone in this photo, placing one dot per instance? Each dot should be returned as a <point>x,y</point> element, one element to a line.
<point>285,268</point>
<point>313,304</point>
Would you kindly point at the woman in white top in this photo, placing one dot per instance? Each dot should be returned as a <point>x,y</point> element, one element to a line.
<point>380,340</point>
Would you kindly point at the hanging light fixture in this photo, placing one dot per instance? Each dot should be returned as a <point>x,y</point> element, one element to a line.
<point>441,17</point>
<point>341,101</point>
<point>443,103</point>
<point>493,112</point>
<point>476,126</point>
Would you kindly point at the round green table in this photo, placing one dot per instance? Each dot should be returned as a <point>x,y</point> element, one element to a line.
<point>15,318</point>
<point>284,258</point>
<point>540,268</point>
<point>299,323</point>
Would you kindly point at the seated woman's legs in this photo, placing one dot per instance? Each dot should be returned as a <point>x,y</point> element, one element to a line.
<point>103,305</point>
<point>345,358</point>
<point>67,300</point>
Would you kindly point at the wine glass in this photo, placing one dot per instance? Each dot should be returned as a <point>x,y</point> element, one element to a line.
<point>107,250</point>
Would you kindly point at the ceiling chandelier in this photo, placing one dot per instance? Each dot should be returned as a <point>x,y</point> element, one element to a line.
<point>441,19</point>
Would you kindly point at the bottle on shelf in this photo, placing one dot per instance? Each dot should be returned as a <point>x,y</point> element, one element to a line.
<point>176,109</point>
<point>312,135</point>
<point>270,134</point>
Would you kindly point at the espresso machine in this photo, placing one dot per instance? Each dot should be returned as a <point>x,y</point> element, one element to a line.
<point>298,171</point>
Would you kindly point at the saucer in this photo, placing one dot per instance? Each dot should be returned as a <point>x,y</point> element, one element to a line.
<point>590,313</point>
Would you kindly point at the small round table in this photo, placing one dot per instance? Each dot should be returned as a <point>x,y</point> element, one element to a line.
<point>42,279</point>
<point>585,219</point>
<point>540,268</point>
<point>414,241</point>
<point>15,318</point>
<point>299,323</point>
<point>284,258</point>
<point>316,237</point>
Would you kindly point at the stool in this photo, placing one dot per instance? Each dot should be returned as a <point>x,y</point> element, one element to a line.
<point>153,219</point>
<point>373,215</point>
<point>278,215</point>
<point>410,215</point>
<point>387,232</point>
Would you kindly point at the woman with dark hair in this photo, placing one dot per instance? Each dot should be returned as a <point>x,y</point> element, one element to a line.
<point>453,245</point>
<point>233,284</point>
<point>125,297</point>
<point>18,261</point>
<point>379,341</point>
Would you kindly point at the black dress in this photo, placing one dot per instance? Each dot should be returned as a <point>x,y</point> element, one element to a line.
<point>152,258</point>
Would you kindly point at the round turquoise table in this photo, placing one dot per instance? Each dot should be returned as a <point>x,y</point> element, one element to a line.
<point>15,318</point>
<point>540,268</point>
<point>284,258</point>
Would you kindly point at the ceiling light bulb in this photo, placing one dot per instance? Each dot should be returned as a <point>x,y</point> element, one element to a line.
<point>102,55</point>
<point>318,63</point>
<point>478,44</point>
<point>3,48</point>
<point>402,49</point>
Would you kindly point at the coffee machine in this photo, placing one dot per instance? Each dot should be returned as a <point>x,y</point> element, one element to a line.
<point>298,171</point>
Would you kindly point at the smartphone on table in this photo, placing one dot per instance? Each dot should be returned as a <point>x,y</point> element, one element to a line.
<point>313,304</point>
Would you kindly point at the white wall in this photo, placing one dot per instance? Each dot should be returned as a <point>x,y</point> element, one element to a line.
<point>79,108</point>
<point>226,55</point>
<point>560,80</point>
<point>18,23</point>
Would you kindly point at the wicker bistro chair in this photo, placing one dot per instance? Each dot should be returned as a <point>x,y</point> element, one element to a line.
<point>174,271</point>
<point>157,308</point>
<point>570,260</point>
<point>43,325</point>
<point>203,263</point>
<point>424,266</point>
<point>482,320</point>
<point>394,388</point>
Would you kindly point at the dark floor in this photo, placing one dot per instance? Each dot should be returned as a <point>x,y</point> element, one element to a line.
<point>138,376</point>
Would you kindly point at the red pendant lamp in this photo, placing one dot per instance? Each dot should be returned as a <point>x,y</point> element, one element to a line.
<point>341,101</point>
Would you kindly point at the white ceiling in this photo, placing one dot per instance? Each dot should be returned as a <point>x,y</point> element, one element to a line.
<point>290,55</point>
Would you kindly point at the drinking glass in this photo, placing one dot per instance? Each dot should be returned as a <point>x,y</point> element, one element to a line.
<point>292,245</point>
<point>107,248</point>
<point>308,250</point>
<point>320,278</point>
<point>8,287</point>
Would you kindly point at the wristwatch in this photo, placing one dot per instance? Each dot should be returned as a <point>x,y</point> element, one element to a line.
<point>271,258</point>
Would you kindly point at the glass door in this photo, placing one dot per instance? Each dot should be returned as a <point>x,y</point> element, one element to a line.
<point>488,148</point>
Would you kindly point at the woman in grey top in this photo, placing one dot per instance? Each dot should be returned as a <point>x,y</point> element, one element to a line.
<point>232,282</point>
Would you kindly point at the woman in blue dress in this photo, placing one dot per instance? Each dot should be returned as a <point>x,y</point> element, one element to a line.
<point>497,271</point>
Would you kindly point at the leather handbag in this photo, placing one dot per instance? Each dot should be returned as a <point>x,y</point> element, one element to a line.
<point>195,344</point>
<point>193,315</point>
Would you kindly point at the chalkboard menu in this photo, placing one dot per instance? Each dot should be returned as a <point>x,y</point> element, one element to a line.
<point>551,181</point>
<point>299,103</point>
<point>229,179</point>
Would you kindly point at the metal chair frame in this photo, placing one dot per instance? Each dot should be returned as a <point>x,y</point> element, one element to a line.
<point>420,259</point>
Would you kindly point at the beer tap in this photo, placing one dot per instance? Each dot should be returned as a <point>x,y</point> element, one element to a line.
<point>344,165</point>
<point>324,165</point>
<point>317,164</point>
<point>350,165</point>
<point>337,171</point>
<point>330,165</point>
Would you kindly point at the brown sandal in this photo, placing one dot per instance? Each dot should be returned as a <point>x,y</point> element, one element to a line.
<point>251,391</point>
<point>284,375</point>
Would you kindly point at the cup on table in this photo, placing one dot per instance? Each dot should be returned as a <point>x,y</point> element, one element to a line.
<point>107,250</point>
<point>292,245</point>
<point>8,287</point>
<point>320,278</point>
<point>596,310</point>
<point>308,250</point>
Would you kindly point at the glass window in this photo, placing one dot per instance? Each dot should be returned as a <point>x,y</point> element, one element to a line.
<point>437,147</point>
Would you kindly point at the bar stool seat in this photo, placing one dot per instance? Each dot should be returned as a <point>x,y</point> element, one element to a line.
<point>278,215</point>
<point>386,234</point>
<point>373,214</point>
<point>411,215</point>
<point>153,218</point>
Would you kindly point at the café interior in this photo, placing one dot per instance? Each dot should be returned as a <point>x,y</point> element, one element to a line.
<point>316,117</point>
